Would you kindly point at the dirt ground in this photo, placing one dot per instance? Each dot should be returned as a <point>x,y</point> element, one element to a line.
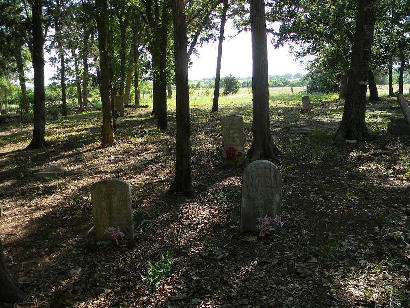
<point>345,241</point>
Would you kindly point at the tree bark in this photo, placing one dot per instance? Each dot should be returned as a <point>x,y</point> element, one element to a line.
<point>102,25</point>
<point>22,79</point>
<point>38,140</point>
<point>137,92</point>
<point>169,90</point>
<point>85,68</point>
<point>128,80</point>
<point>123,39</point>
<point>219,58</point>
<point>262,143</point>
<point>353,125</point>
<point>401,72</point>
<point>343,86</point>
<point>9,292</point>
<point>77,79</point>
<point>391,92</point>
<point>374,95</point>
<point>182,183</point>
<point>63,84</point>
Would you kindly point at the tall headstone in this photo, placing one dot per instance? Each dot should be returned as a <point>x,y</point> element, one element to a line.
<point>119,104</point>
<point>404,106</point>
<point>306,106</point>
<point>111,199</point>
<point>261,194</point>
<point>233,139</point>
<point>400,127</point>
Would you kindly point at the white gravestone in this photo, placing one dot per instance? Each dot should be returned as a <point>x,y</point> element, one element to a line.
<point>233,139</point>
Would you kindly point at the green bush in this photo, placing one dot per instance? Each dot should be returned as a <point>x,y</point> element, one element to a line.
<point>230,84</point>
<point>159,270</point>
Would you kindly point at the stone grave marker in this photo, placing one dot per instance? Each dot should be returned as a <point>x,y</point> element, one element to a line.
<point>233,139</point>
<point>306,106</point>
<point>111,199</point>
<point>119,104</point>
<point>401,127</point>
<point>261,194</point>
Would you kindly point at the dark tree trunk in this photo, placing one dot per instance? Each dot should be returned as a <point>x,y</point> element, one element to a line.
<point>343,86</point>
<point>182,183</point>
<point>63,85</point>
<point>22,79</point>
<point>391,92</point>
<point>219,58</point>
<point>169,90</point>
<point>137,92</point>
<point>401,72</point>
<point>374,95</point>
<point>110,52</point>
<point>85,68</point>
<point>353,125</point>
<point>102,25</point>
<point>123,48</point>
<point>38,140</point>
<point>9,292</point>
<point>262,143</point>
<point>77,79</point>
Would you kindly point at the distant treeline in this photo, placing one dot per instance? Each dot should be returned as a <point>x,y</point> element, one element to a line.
<point>286,80</point>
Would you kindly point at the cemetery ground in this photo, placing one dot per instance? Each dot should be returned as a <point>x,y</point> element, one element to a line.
<point>346,213</point>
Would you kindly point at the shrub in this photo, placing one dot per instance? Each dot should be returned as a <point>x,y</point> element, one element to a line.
<point>231,85</point>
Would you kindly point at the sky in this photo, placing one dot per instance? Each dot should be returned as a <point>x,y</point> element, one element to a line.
<point>237,59</point>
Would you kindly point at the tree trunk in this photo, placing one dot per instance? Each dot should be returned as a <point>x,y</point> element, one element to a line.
<point>77,79</point>
<point>159,54</point>
<point>374,95</point>
<point>343,86</point>
<point>169,90</point>
<point>123,47</point>
<point>391,92</point>
<point>22,79</point>
<point>63,85</point>
<point>137,91</point>
<point>102,25</point>
<point>182,183</point>
<point>401,72</point>
<point>128,80</point>
<point>9,292</point>
<point>353,125</point>
<point>262,143</point>
<point>219,58</point>
<point>85,68</point>
<point>38,140</point>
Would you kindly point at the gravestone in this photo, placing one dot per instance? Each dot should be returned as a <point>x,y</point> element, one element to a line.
<point>50,173</point>
<point>233,139</point>
<point>404,106</point>
<point>306,106</point>
<point>400,127</point>
<point>111,199</point>
<point>119,104</point>
<point>291,115</point>
<point>261,194</point>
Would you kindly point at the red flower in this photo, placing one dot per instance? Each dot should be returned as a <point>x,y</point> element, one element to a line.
<point>230,152</point>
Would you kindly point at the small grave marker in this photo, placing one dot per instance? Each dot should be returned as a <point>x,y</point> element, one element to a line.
<point>233,139</point>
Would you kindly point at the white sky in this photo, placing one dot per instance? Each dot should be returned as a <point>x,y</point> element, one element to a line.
<point>237,59</point>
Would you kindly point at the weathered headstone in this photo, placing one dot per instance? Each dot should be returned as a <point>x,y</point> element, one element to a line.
<point>306,106</point>
<point>50,173</point>
<point>233,139</point>
<point>261,194</point>
<point>291,115</point>
<point>401,127</point>
<point>119,104</point>
<point>111,199</point>
<point>404,106</point>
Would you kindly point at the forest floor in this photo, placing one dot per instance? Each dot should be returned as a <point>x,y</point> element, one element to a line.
<point>345,241</point>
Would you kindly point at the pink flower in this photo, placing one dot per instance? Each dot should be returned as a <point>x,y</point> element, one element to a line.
<point>115,233</point>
